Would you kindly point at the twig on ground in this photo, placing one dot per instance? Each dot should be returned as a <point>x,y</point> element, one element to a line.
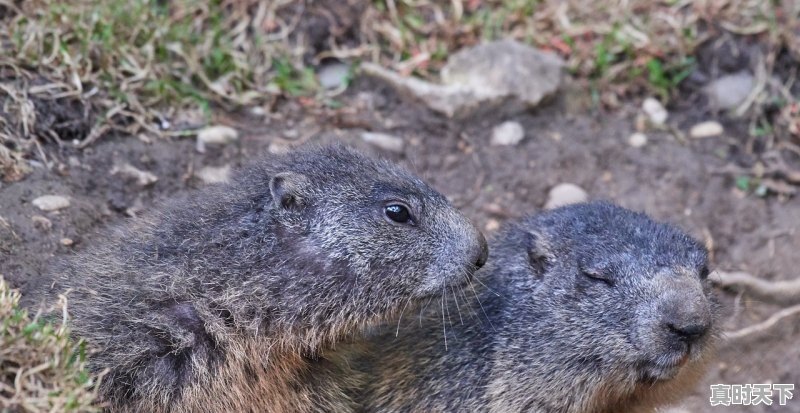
<point>763,326</point>
<point>778,292</point>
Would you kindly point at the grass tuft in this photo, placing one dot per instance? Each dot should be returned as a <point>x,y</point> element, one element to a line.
<point>42,369</point>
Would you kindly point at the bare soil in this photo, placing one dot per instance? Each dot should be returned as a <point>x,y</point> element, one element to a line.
<point>566,141</point>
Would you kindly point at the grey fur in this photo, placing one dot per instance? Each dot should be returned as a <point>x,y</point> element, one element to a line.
<point>226,301</point>
<point>575,316</point>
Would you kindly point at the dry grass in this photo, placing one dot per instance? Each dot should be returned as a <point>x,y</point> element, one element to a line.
<point>78,69</point>
<point>42,369</point>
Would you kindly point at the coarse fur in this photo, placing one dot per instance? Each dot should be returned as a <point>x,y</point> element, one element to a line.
<point>588,308</point>
<point>227,301</point>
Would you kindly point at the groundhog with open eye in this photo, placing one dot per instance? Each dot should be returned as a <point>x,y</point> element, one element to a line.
<point>226,301</point>
<point>586,308</point>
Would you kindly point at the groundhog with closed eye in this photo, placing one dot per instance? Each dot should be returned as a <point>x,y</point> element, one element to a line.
<point>225,302</point>
<point>587,308</point>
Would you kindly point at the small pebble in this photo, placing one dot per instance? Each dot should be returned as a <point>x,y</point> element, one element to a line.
<point>49,203</point>
<point>730,91</point>
<point>706,129</point>
<point>214,175</point>
<point>218,135</point>
<point>41,222</point>
<point>655,111</point>
<point>565,194</point>
<point>384,141</point>
<point>258,111</point>
<point>508,133</point>
<point>637,140</point>
<point>492,225</point>
<point>143,178</point>
<point>67,242</point>
<point>277,148</point>
<point>333,75</point>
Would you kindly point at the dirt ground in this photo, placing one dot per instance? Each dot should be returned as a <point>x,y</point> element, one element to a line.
<point>566,141</point>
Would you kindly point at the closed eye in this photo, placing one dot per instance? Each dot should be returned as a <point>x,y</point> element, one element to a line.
<point>598,276</point>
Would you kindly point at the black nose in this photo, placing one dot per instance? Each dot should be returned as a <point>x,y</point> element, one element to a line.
<point>483,254</point>
<point>688,332</point>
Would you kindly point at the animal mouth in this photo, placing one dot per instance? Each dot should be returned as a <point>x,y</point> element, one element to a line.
<point>666,366</point>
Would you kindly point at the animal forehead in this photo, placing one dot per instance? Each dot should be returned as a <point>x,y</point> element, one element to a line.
<point>346,167</point>
<point>602,230</point>
<point>639,263</point>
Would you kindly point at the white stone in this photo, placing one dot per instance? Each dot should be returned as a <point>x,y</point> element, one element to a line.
<point>637,140</point>
<point>502,75</point>
<point>214,174</point>
<point>730,91</point>
<point>507,133</point>
<point>51,202</point>
<point>565,194</point>
<point>333,75</point>
<point>655,111</point>
<point>218,135</point>
<point>706,129</point>
<point>143,178</point>
<point>384,141</point>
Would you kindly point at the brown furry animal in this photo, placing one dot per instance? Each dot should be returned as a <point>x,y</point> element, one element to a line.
<point>225,302</point>
<point>588,308</point>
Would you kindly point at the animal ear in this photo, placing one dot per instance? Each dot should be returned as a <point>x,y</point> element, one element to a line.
<point>290,190</point>
<point>540,257</point>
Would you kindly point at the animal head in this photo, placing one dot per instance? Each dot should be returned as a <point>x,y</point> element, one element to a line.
<point>619,295</point>
<point>360,236</point>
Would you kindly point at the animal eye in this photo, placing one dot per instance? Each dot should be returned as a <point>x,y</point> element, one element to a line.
<point>597,276</point>
<point>704,272</point>
<point>398,213</point>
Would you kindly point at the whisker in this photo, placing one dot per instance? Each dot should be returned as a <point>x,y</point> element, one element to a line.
<point>487,287</point>
<point>422,310</point>
<point>397,332</point>
<point>467,301</point>
<point>446,307</point>
<point>482,309</point>
<point>444,326</point>
<point>455,298</point>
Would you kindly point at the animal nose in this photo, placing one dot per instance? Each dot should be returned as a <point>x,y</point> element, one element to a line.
<point>483,251</point>
<point>688,332</point>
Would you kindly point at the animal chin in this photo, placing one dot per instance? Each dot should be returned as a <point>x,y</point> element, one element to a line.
<point>664,367</point>
<point>435,284</point>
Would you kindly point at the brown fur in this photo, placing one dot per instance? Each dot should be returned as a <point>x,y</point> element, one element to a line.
<point>232,300</point>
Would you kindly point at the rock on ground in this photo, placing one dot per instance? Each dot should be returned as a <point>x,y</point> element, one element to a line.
<point>637,140</point>
<point>505,68</point>
<point>655,111</point>
<point>384,141</point>
<point>333,75</point>
<point>218,135</point>
<point>214,175</point>
<point>565,194</point>
<point>507,134</point>
<point>706,129</point>
<point>51,202</point>
<point>484,77</point>
<point>730,91</point>
<point>143,178</point>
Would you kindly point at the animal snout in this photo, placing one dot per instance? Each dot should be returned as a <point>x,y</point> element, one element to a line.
<point>687,320</point>
<point>688,332</point>
<point>482,252</point>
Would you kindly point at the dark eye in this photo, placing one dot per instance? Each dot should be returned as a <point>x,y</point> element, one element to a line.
<point>704,272</point>
<point>398,213</point>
